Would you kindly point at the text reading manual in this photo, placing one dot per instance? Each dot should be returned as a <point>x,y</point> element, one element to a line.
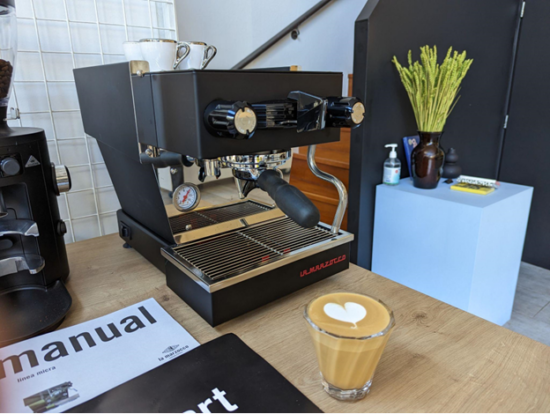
<point>65,368</point>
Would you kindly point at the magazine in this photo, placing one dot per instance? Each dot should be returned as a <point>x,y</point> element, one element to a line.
<point>67,367</point>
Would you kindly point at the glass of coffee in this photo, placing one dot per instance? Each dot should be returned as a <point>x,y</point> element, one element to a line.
<point>350,332</point>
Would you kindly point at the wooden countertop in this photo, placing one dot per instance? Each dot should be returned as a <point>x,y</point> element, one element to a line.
<point>439,358</point>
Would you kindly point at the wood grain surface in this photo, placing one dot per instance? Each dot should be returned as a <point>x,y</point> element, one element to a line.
<point>438,359</point>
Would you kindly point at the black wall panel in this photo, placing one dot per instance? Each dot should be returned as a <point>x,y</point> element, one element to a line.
<point>526,155</point>
<point>486,29</point>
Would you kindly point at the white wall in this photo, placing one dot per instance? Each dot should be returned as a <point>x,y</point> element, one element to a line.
<point>238,27</point>
<point>55,36</point>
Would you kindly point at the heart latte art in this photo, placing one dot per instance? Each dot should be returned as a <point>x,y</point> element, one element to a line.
<point>351,312</point>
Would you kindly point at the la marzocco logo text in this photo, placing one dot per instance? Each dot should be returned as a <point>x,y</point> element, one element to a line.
<point>323,265</point>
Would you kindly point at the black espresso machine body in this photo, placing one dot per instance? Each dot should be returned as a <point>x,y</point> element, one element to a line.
<point>228,259</point>
<point>33,258</point>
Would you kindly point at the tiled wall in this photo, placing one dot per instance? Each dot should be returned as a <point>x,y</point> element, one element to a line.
<point>55,36</point>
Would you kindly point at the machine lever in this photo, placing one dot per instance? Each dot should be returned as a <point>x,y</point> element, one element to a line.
<point>165,159</point>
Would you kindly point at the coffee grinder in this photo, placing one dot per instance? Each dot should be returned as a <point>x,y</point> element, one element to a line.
<point>33,259</point>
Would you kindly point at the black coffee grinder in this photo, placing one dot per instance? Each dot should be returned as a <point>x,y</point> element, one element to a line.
<point>33,258</point>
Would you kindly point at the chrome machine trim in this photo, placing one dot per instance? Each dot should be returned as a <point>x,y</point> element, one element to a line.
<point>212,286</point>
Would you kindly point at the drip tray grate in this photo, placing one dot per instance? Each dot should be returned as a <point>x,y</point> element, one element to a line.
<point>208,217</point>
<point>234,253</point>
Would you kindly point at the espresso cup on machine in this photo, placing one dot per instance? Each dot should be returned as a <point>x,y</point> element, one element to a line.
<point>132,51</point>
<point>199,57</point>
<point>163,54</point>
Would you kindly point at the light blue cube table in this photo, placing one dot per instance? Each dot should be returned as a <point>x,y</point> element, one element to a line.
<point>461,248</point>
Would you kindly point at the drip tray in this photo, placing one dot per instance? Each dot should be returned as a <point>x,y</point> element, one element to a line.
<point>207,217</point>
<point>227,259</point>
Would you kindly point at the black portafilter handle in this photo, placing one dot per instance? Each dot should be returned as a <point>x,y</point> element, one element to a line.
<point>289,199</point>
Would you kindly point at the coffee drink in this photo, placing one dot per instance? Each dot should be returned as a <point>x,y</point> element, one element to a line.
<point>349,332</point>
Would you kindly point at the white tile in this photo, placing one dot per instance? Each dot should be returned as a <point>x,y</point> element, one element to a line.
<point>28,67</point>
<point>82,61</point>
<point>110,11</point>
<point>81,178</point>
<point>73,152</point>
<point>114,59</point>
<point>62,204</point>
<point>101,175</point>
<point>52,149</point>
<point>107,199</point>
<point>81,10</point>
<point>58,67</point>
<point>26,35</point>
<point>54,36</point>
<point>109,223</point>
<point>86,228</point>
<point>42,120</point>
<point>95,153</point>
<point>68,125</point>
<point>162,15</point>
<point>81,204</point>
<point>31,97</point>
<point>63,96</point>
<point>85,38</point>
<point>24,8</point>
<point>137,13</point>
<point>49,9</point>
<point>112,38</point>
<point>137,33</point>
<point>164,34</point>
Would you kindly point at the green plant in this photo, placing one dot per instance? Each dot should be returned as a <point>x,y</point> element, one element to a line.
<point>433,88</point>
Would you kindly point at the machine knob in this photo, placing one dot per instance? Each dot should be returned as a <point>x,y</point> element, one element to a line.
<point>61,179</point>
<point>10,166</point>
<point>231,119</point>
<point>345,112</point>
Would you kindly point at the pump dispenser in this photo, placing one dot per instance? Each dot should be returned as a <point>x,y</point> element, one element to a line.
<point>392,167</point>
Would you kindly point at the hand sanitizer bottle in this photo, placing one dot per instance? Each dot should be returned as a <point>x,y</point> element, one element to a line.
<point>392,167</point>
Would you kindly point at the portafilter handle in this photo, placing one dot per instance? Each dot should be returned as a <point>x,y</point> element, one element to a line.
<point>289,199</point>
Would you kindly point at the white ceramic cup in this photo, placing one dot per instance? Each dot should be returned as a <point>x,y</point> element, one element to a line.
<point>132,51</point>
<point>200,55</point>
<point>162,54</point>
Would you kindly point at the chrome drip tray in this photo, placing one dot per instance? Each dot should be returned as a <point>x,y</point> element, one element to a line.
<point>206,217</point>
<point>229,258</point>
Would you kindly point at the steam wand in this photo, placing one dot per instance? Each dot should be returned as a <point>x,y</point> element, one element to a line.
<point>342,192</point>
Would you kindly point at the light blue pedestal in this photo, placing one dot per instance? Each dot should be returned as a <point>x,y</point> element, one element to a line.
<point>461,248</point>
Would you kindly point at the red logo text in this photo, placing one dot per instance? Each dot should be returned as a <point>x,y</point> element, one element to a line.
<point>323,265</point>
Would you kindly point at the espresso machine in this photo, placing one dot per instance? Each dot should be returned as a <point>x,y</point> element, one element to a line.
<point>231,258</point>
<point>33,259</point>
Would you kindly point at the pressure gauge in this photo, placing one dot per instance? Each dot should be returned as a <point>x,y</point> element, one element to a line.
<point>186,197</point>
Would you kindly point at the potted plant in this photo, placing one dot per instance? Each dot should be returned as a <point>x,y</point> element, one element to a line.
<point>432,90</point>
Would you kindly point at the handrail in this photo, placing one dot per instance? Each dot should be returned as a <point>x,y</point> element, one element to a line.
<point>255,54</point>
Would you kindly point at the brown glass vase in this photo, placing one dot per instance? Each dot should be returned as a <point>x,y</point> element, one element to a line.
<point>427,160</point>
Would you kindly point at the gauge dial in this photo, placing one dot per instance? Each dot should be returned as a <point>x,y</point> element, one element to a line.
<point>186,197</point>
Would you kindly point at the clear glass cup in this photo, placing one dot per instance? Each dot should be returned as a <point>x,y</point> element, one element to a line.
<point>347,363</point>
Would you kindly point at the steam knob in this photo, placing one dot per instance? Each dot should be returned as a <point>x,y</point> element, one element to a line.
<point>231,119</point>
<point>61,179</point>
<point>10,166</point>
<point>345,112</point>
